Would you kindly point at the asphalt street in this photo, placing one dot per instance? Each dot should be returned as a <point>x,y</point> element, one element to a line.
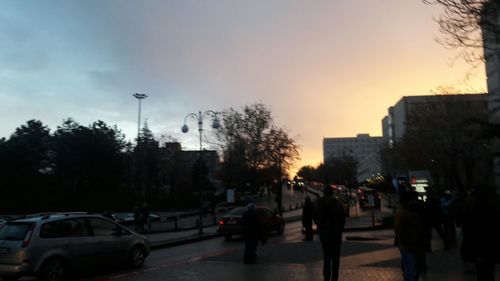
<point>366,255</point>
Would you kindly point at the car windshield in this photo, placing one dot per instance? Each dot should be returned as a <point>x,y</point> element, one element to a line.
<point>237,211</point>
<point>123,215</point>
<point>14,231</point>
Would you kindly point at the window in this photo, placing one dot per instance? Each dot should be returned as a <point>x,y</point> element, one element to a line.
<point>265,213</point>
<point>14,231</point>
<point>104,228</point>
<point>64,228</point>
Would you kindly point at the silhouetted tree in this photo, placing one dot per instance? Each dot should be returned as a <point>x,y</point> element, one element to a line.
<point>147,159</point>
<point>308,173</point>
<point>89,164</point>
<point>169,166</point>
<point>251,145</point>
<point>25,168</point>
<point>337,170</point>
<point>467,23</point>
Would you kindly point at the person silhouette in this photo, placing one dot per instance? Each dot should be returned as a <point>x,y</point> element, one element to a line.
<point>307,218</point>
<point>329,216</point>
<point>250,222</point>
<point>409,232</point>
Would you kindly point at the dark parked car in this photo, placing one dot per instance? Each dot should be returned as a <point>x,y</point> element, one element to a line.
<point>224,207</point>
<point>52,246</point>
<point>368,197</point>
<point>230,224</point>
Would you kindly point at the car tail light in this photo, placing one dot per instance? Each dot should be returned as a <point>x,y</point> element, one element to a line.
<point>221,222</point>
<point>29,234</point>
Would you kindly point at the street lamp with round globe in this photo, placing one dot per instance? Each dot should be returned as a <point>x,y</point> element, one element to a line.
<point>215,125</point>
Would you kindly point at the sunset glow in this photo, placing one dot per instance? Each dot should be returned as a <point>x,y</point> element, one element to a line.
<point>325,69</point>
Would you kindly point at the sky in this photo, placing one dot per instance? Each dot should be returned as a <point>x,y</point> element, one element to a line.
<point>324,68</point>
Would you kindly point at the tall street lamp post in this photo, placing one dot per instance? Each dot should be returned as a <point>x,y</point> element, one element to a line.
<point>139,97</point>
<point>215,125</point>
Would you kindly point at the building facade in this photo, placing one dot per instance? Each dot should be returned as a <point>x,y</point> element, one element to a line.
<point>431,107</point>
<point>176,166</point>
<point>363,148</point>
<point>443,134</point>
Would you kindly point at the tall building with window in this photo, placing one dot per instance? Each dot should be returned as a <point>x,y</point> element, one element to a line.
<point>363,148</point>
<point>434,108</point>
<point>447,135</point>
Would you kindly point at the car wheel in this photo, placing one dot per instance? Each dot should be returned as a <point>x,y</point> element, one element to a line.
<point>281,228</point>
<point>53,270</point>
<point>228,236</point>
<point>137,256</point>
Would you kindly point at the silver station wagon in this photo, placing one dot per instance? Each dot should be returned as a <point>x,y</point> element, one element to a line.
<point>53,246</point>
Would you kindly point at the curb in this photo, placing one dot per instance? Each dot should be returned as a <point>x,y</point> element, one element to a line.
<point>183,240</point>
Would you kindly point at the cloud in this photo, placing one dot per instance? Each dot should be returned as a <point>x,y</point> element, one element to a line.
<point>326,68</point>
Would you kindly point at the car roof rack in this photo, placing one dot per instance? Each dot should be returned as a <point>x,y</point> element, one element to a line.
<point>63,214</point>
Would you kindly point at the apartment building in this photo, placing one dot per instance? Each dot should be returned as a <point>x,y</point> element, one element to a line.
<point>364,148</point>
<point>433,108</point>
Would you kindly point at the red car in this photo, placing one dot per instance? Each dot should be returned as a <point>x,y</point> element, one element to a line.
<point>230,224</point>
<point>368,197</point>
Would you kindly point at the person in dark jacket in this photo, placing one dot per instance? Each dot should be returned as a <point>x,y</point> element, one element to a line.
<point>251,231</point>
<point>329,216</point>
<point>139,226</point>
<point>480,229</point>
<point>145,216</point>
<point>307,218</point>
<point>434,215</point>
<point>409,234</point>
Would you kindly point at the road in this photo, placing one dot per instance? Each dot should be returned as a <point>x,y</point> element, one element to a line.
<point>368,255</point>
<point>192,256</point>
<point>217,259</point>
<point>168,259</point>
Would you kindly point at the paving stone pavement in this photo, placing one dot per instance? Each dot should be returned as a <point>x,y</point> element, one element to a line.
<point>365,259</point>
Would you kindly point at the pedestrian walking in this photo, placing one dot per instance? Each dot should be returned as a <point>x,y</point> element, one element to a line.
<point>448,207</point>
<point>409,231</point>
<point>139,226</point>
<point>251,233</point>
<point>329,216</point>
<point>434,215</point>
<point>307,218</point>
<point>145,216</point>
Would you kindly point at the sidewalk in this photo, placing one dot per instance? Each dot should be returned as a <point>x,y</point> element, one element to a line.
<point>371,258</point>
